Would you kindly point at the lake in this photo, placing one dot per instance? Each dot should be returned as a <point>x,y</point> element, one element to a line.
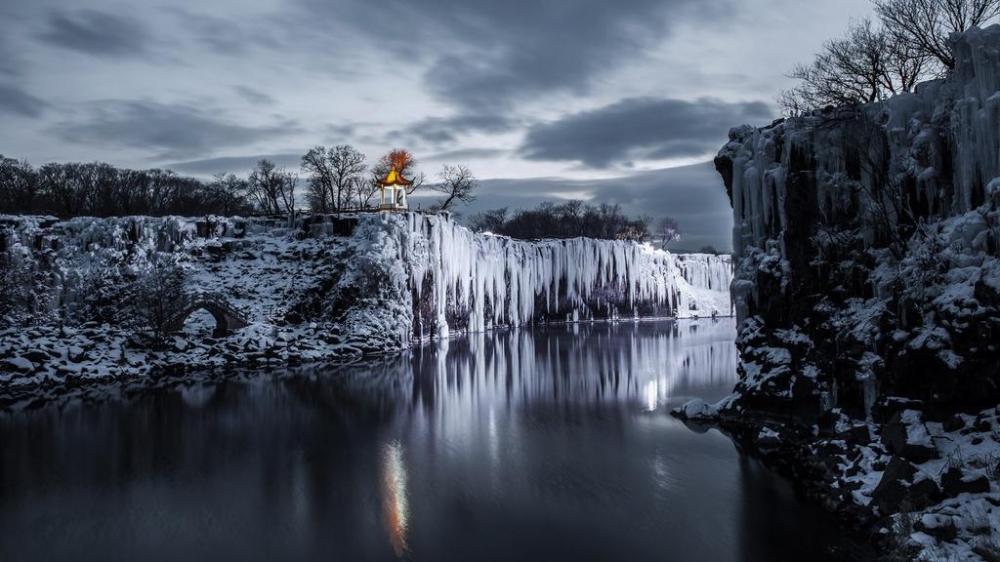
<point>552,443</point>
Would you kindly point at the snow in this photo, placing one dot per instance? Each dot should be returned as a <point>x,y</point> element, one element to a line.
<point>331,288</point>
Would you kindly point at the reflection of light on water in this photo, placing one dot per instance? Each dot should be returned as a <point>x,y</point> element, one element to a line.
<point>393,487</point>
<point>661,473</point>
<point>652,395</point>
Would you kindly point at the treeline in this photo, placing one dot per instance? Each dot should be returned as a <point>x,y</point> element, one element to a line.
<point>569,220</point>
<point>102,190</point>
<point>336,180</point>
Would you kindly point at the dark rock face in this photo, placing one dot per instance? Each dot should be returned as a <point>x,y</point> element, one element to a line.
<point>895,438</point>
<point>956,481</point>
<point>867,250</point>
<point>900,485</point>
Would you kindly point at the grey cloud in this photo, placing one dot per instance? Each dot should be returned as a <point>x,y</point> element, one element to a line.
<point>640,128</point>
<point>233,164</point>
<point>17,102</point>
<point>446,130</point>
<point>487,55</point>
<point>228,36</point>
<point>693,195</point>
<point>96,33</point>
<point>465,154</point>
<point>8,62</point>
<point>175,130</point>
<point>254,96</point>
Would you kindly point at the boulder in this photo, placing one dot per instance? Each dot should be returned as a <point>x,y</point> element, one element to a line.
<point>957,481</point>
<point>901,484</point>
<point>17,365</point>
<point>36,356</point>
<point>906,435</point>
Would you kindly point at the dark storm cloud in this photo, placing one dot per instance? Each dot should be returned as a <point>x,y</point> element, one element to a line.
<point>485,55</point>
<point>253,96</point>
<point>96,33</point>
<point>175,130</point>
<point>234,164</point>
<point>693,195</point>
<point>15,101</point>
<point>640,128</point>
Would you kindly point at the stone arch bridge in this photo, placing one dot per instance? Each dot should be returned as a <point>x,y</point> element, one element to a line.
<point>227,318</point>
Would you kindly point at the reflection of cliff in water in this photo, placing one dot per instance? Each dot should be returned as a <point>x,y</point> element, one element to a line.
<point>578,366</point>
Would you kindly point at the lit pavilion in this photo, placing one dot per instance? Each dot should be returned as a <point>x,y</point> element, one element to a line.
<point>393,190</point>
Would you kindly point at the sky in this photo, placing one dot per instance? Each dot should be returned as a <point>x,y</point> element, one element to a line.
<point>623,101</point>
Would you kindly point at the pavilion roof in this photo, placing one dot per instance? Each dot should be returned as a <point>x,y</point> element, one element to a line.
<point>394,178</point>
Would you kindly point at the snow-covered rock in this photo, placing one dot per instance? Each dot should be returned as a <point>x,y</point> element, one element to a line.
<point>326,287</point>
<point>873,233</point>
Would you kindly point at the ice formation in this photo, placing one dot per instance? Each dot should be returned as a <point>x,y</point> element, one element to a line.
<point>329,285</point>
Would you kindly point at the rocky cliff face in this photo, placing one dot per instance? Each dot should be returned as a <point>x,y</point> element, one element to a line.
<point>866,248</point>
<point>325,288</point>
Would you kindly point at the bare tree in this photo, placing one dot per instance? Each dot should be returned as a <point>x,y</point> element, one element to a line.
<point>320,187</point>
<point>457,183</point>
<point>347,167</point>
<point>489,221</point>
<point>155,296</point>
<point>336,178</point>
<point>668,230</point>
<point>272,189</point>
<point>364,192</point>
<point>925,25</point>
<point>865,66</point>
<point>226,194</point>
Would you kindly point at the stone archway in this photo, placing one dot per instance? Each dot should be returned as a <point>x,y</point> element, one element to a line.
<point>227,318</point>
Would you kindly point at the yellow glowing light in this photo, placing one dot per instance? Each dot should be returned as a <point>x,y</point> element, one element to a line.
<point>395,513</point>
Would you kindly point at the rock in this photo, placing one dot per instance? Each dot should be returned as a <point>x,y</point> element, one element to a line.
<point>957,481</point>
<point>954,423</point>
<point>768,439</point>
<point>941,527</point>
<point>905,435</point>
<point>696,409</point>
<point>17,364</point>
<point>857,435</point>
<point>924,492</point>
<point>36,356</point>
<point>892,489</point>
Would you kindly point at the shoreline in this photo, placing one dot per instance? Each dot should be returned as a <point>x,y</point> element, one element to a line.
<point>904,481</point>
<point>116,366</point>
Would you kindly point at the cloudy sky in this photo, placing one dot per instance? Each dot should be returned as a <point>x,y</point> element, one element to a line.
<point>609,100</point>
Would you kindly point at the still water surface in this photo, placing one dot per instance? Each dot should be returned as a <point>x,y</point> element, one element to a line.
<point>545,444</point>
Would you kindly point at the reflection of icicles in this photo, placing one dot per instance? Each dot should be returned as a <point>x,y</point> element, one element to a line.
<point>395,512</point>
<point>652,395</point>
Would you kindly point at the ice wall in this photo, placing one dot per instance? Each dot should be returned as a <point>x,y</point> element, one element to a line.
<point>866,242</point>
<point>476,282</point>
<point>401,275</point>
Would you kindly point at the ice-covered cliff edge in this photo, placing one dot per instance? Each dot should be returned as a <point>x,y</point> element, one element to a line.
<point>867,289</point>
<point>866,244</point>
<point>338,285</point>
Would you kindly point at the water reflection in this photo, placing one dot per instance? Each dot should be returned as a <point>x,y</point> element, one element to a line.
<point>393,488</point>
<point>526,445</point>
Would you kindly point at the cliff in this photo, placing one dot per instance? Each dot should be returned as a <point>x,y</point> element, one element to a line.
<point>867,292</point>
<point>866,247</point>
<point>327,287</point>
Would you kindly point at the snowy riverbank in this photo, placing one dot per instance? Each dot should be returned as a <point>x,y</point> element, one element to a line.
<point>326,289</point>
